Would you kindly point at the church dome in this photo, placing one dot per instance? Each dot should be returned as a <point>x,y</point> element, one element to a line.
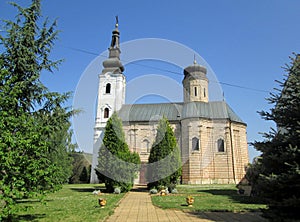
<point>195,69</point>
<point>113,63</point>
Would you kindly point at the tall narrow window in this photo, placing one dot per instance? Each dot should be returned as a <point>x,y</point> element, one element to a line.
<point>220,144</point>
<point>204,92</point>
<point>195,143</point>
<point>195,90</point>
<point>146,146</point>
<point>108,87</point>
<point>106,113</point>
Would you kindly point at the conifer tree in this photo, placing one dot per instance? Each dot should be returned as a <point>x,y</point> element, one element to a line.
<point>34,125</point>
<point>164,161</point>
<point>278,179</point>
<point>117,166</point>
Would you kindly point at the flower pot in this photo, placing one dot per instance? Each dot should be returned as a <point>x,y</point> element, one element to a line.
<point>163,193</point>
<point>190,201</point>
<point>102,202</point>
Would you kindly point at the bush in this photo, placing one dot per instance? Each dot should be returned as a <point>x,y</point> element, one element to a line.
<point>153,191</point>
<point>117,190</point>
<point>174,191</point>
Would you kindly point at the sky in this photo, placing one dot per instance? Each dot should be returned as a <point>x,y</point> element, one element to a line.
<point>244,43</point>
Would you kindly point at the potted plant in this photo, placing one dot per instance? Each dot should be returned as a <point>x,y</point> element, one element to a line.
<point>163,192</point>
<point>190,200</point>
<point>102,202</point>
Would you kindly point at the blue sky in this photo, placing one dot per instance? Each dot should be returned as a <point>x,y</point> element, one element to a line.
<point>245,43</point>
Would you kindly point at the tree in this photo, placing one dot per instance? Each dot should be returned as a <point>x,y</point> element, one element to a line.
<point>278,181</point>
<point>84,175</point>
<point>164,160</point>
<point>81,168</point>
<point>117,166</point>
<point>34,125</point>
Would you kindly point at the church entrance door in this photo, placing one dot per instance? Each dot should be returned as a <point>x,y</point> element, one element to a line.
<point>143,174</point>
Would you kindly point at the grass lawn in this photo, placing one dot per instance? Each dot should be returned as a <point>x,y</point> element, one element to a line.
<point>208,198</point>
<point>75,202</point>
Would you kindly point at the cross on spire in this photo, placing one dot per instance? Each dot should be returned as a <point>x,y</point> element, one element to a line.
<point>195,62</point>
<point>117,21</point>
<point>116,35</point>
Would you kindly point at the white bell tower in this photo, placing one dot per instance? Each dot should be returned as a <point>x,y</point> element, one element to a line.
<point>111,95</point>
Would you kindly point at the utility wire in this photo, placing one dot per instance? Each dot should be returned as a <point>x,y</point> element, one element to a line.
<point>164,70</point>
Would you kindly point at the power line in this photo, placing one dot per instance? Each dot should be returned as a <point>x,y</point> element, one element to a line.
<point>244,87</point>
<point>165,70</point>
<point>81,50</point>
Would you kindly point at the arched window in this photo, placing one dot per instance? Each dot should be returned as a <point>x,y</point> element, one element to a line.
<point>106,113</point>
<point>146,146</point>
<point>220,144</point>
<point>131,139</point>
<point>195,143</point>
<point>195,90</point>
<point>107,88</point>
<point>204,92</point>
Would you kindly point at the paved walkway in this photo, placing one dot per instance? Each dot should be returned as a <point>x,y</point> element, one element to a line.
<point>136,206</point>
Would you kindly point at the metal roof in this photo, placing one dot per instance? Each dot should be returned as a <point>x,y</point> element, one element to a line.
<point>177,111</point>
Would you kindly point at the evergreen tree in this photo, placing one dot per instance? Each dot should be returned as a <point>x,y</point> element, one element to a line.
<point>164,160</point>
<point>278,180</point>
<point>117,166</point>
<point>34,125</point>
<point>80,161</point>
<point>84,175</point>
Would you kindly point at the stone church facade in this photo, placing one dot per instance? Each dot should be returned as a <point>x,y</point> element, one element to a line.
<point>211,136</point>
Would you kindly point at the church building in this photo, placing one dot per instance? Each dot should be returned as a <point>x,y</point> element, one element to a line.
<point>211,136</point>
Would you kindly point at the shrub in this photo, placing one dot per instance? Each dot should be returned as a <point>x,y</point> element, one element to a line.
<point>117,190</point>
<point>153,191</point>
<point>174,191</point>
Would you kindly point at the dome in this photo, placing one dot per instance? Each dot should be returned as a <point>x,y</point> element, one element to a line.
<point>113,63</point>
<point>195,69</point>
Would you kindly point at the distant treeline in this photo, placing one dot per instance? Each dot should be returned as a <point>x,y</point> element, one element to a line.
<point>81,168</point>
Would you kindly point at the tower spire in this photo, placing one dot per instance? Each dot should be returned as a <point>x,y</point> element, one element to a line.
<point>113,63</point>
<point>117,22</point>
<point>195,61</point>
<point>115,35</point>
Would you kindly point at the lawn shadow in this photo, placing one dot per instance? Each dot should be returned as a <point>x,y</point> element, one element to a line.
<point>234,196</point>
<point>88,189</point>
<point>140,188</point>
<point>28,217</point>
<point>33,201</point>
<point>228,216</point>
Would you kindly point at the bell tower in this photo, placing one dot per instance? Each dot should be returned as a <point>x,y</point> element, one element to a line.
<point>195,83</point>
<point>111,94</point>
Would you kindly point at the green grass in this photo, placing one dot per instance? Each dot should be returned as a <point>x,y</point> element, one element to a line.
<point>75,202</point>
<point>208,198</point>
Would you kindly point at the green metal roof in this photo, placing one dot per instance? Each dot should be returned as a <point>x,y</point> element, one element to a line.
<point>148,112</point>
<point>177,111</point>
